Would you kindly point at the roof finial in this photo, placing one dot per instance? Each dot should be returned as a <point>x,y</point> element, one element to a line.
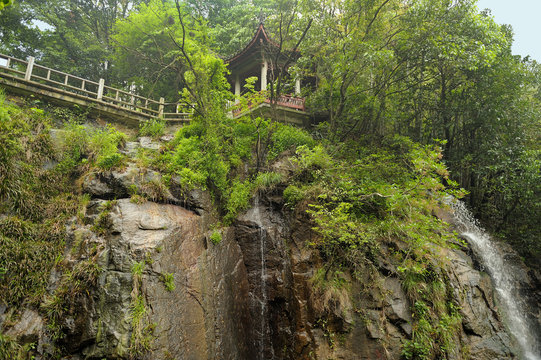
<point>261,17</point>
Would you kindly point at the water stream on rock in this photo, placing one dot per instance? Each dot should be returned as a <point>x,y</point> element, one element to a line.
<point>264,331</point>
<point>503,278</point>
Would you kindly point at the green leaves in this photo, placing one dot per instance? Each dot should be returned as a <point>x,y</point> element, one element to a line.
<point>83,145</point>
<point>4,3</point>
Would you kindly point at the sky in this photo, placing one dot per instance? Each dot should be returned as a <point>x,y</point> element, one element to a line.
<point>524,17</point>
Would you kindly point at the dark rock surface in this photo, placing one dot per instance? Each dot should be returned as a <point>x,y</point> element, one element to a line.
<point>249,297</point>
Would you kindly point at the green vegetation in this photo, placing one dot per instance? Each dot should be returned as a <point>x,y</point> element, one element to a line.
<point>216,237</point>
<point>441,70</point>
<point>267,180</point>
<point>91,147</point>
<point>36,203</point>
<point>153,128</point>
<point>288,138</point>
<point>74,285</point>
<point>102,222</point>
<point>168,280</point>
<point>382,193</point>
<point>413,102</point>
<point>10,349</point>
<point>142,335</point>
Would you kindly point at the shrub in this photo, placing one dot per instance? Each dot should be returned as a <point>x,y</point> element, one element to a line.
<point>153,128</point>
<point>293,195</point>
<point>317,157</point>
<point>216,237</point>
<point>168,280</point>
<point>288,137</point>
<point>155,190</point>
<point>137,268</point>
<point>267,180</point>
<point>110,161</point>
<point>99,146</point>
<point>190,179</point>
<point>137,199</point>
<point>239,199</point>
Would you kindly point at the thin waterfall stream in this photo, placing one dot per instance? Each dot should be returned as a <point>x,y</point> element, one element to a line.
<point>503,278</point>
<point>264,331</point>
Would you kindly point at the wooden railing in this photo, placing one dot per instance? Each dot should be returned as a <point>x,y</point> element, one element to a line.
<point>31,72</point>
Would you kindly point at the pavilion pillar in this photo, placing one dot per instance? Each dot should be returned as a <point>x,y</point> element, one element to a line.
<point>297,86</point>
<point>237,88</point>
<point>264,69</point>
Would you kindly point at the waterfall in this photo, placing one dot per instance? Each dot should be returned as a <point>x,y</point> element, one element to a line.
<point>264,330</point>
<point>503,278</point>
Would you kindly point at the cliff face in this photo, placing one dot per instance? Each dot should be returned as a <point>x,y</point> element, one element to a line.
<point>166,291</point>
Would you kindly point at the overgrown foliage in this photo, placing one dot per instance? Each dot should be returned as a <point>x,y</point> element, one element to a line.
<point>142,335</point>
<point>74,285</point>
<point>36,203</point>
<point>153,128</point>
<point>91,147</point>
<point>366,195</point>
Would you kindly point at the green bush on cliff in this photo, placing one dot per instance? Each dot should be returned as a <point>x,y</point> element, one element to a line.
<point>216,237</point>
<point>213,158</point>
<point>267,180</point>
<point>153,128</point>
<point>93,146</point>
<point>286,137</point>
<point>364,196</point>
<point>36,203</point>
<point>168,280</point>
<point>239,199</point>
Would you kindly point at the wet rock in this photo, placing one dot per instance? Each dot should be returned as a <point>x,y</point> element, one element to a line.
<point>484,334</point>
<point>251,295</point>
<point>205,315</point>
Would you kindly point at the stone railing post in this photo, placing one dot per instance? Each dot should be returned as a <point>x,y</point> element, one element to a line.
<point>132,91</point>
<point>29,68</point>
<point>101,86</point>
<point>160,108</point>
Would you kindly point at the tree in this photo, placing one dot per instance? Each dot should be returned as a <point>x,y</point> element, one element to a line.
<point>350,51</point>
<point>20,38</point>
<point>4,3</point>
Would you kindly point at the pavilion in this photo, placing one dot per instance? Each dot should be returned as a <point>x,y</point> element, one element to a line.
<point>259,58</point>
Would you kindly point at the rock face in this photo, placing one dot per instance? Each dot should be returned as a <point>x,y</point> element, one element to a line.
<point>251,296</point>
<point>121,184</point>
<point>483,331</point>
<point>204,316</point>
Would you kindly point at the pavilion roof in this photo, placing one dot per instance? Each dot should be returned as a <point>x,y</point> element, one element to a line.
<point>253,47</point>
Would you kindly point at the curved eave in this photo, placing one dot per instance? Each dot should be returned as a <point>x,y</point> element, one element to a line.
<point>254,48</point>
<point>260,34</point>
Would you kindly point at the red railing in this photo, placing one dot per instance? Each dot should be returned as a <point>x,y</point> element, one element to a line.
<point>288,101</point>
